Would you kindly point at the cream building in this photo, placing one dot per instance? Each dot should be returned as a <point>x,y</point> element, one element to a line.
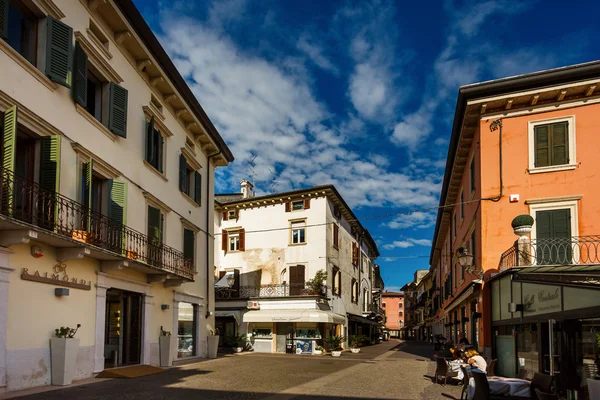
<point>107,176</point>
<point>268,249</point>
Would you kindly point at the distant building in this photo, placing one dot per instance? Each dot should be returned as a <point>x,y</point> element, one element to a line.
<point>393,308</point>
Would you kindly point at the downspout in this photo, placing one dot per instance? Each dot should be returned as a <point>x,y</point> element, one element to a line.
<point>208,208</point>
<point>497,125</point>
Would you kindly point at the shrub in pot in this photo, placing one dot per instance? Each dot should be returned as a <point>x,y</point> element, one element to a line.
<point>522,224</point>
<point>318,350</point>
<point>355,342</point>
<point>63,355</point>
<point>237,342</point>
<point>335,342</point>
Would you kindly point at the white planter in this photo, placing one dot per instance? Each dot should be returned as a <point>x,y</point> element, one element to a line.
<point>523,230</point>
<point>63,356</point>
<point>318,352</point>
<point>336,353</point>
<point>166,345</point>
<point>213,346</point>
<point>355,350</point>
<point>238,349</point>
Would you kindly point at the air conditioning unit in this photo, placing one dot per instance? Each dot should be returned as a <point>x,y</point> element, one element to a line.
<point>252,305</point>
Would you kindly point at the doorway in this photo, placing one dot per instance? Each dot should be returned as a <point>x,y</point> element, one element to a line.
<point>285,330</point>
<point>123,324</point>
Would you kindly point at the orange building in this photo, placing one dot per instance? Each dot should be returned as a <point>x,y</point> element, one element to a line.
<point>525,145</point>
<point>393,306</point>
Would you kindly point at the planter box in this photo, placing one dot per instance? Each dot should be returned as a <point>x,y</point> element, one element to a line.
<point>318,352</point>
<point>80,236</point>
<point>213,346</point>
<point>355,350</point>
<point>337,353</point>
<point>166,345</point>
<point>63,356</point>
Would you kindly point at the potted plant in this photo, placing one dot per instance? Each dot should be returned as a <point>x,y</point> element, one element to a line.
<point>317,284</point>
<point>318,350</point>
<point>213,343</point>
<point>63,355</point>
<point>522,224</point>
<point>166,346</point>
<point>335,342</point>
<point>237,342</point>
<point>355,342</point>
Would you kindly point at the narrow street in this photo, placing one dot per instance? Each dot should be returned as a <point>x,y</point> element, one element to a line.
<point>386,371</point>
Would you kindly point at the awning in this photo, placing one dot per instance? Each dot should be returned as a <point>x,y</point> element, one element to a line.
<point>464,295</point>
<point>361,320</point>
<point>222,283</point>
<point>293,316</point>
<point>229,313</point>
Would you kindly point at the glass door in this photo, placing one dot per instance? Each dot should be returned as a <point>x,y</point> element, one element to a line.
<point>133,328</point>
<point>550,338</point>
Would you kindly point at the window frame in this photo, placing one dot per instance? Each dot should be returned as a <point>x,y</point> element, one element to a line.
<point>301,228</point>
<point>571,134</point>
<point>550,205</point>
<point>233,235</point>
<point>295,202</point>
<point>32,17</point>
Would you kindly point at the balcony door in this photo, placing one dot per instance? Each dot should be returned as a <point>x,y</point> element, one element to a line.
<point>553,237</point>
<point>297,279</point>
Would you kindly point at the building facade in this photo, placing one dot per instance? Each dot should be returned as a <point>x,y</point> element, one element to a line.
<point>414,303</point>
<point>393,307</point>
<point>524,146</point>
<point>107,176</point>
<point>293,266</point>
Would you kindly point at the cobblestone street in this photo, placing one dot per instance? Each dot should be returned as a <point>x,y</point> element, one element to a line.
<point>386,371</point>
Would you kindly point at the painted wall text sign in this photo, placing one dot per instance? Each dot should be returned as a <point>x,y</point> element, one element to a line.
<point>56,279</point>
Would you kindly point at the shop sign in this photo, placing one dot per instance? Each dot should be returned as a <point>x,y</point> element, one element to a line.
<point>285,319</point>
<point>541,299</point>
<point>58,277</point>
<point>304,346</point>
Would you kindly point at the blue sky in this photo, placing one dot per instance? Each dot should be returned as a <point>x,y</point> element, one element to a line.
<point>360,94</point>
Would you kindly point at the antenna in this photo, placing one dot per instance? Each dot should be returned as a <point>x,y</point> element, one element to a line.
<point>273,181</point>
<point>251,166</point>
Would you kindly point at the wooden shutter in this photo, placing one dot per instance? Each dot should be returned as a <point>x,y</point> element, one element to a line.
<point>59,53</point>
<point>242,233</point>
<point>189,244</point>
<point>160,143</point>
<point>8,157</point>
<point>150,141</point>
<point>542,146</point>
<point>88,169</point>
<point>553,241</point>
<point>49,178</point>
<point>225,241</point>
<point>117,205</point>
<point>288,206</point>
<point>80,76</point>
<point>197,188</point>
<point>182,174</point>
<point>560,143</point>
<point>225,215</point>
<point>117,110</point>
<point>154,225</point>
<point>472,173</point>
<point>222,274</point>
<point>336,236</point>
<point>4,18</point>
<point>306,204</point>
<point>297,279</point>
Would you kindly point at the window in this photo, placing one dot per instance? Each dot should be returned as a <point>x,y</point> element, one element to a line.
<point>401,323</point>
<point>297,205</point>
<point>399,305</point>
<point>337,212</point>
<point>155,235</point>
<point>336,286</point>
<point>155,147</point>
<point>552,144</point>
<point>400,313</point>
<point>472,174</point>
<point>21,32</point>
<point>234,240</point>
<point>363,261</point>
<point>94,96</point>
<point>355,254</point>
<point>336,236</point>
<point>297,280</point>
<point>232,214</point>
<point>298,232</point>
<point>190,180</point>
<point>354,291</point>
<point>365,300</point>
<point>189,244</point>
<point>553,237</point>
<point>383,305</point>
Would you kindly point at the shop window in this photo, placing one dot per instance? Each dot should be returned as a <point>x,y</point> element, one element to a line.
<point>186,330</point>
<point>262,333</point>
<point>308,333</point>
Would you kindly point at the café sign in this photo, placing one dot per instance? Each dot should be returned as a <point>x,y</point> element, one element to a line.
<point>58,277</point>
<point>541,299</point>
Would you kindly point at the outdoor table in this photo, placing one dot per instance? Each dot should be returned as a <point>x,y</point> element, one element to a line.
<point>504,386</point>
<point>454,366</point>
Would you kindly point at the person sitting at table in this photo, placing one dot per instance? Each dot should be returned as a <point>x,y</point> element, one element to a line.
<point>475,361</point>
<point>463,339</point>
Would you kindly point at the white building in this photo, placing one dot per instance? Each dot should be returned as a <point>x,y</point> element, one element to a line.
<point>107,176</point>
<point>270,248</point>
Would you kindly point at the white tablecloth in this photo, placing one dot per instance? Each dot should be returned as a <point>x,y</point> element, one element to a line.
<point>504,386</point>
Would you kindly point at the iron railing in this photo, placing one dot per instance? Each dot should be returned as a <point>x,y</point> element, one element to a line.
<point>374,308</point>
<point>277,290</point>
<point>574,250</point>
<point>28,202</point>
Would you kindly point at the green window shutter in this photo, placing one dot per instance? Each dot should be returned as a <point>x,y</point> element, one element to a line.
<point>50,163</point>
<point>182,174</point>
<point>59,53</point>
<point>87,191</point>
<point>117,110</point>
<point>150,140</point>
<point>8,157</point>
<point>561,223</point>
<point>560,143</point>
<point>117,205</point>
<point>160,142</point>
<point>80,71</point>
<point>4,18</point>
<point>198,188</point>
<point>189,244</point>
<point>154,225</point>
<point>542,146</point>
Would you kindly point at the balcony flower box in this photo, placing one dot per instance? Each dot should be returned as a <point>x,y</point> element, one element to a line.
<point>81,236</point>
<point>131,254</point>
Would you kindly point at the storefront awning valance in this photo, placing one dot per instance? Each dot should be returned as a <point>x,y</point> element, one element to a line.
<point>469,290</point>
<point>361,320</point>
<point>293,316</point>
<point>229,313</point>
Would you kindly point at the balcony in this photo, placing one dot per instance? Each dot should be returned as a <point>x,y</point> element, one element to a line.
<point>65,223</point>
<point>269,291</point>
<point>557,251</point>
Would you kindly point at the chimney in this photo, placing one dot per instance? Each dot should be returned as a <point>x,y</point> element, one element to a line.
<point>247,189</point>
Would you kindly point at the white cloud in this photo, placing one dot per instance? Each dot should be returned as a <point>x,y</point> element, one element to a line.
<point>315,54</point>
<point>369,91</point>
<point>412,129</point>
<point>404,244</point>
<point>415,220</point>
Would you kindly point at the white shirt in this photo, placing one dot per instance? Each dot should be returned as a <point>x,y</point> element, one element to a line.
<point>479,362</point>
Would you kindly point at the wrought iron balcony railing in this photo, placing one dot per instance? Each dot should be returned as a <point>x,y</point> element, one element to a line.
<point>559,251</point>
<point>27,202</point>
<point>277,290</point>
<point>374,308</point>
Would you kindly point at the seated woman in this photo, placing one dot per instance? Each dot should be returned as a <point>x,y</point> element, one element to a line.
<point>475,361</point>
<point>456,362</point>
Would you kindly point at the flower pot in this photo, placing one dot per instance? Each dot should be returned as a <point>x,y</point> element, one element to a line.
<point>213,346</point>
<point>355,350</point>
<point>238,349</point>
<point>523,230</point>
<point>318,352</point>
<point>80,236</point>
<point>336,353</point>
<point>63,357</point>
<point>131,254</point>
<point>166,345</point>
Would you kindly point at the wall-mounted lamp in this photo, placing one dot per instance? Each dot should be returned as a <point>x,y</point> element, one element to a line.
<point>37,251</point>
<point>60,292</point>
<point>513,307</point>
<point>165,307</point>
<point>465,259</point>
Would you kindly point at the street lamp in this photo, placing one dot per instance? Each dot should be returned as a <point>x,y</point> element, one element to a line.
<point>465,259</point>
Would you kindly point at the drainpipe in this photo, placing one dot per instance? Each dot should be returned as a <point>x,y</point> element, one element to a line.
<point>208,208</point>
<point>497,125</point>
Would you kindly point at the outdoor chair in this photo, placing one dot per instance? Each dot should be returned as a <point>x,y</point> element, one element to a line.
<point>482,388</point>
<point>542,382</point>
<point>545,396</point>
<point>491,369</point>
<point>465,383</point>
<point>441,369</point>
